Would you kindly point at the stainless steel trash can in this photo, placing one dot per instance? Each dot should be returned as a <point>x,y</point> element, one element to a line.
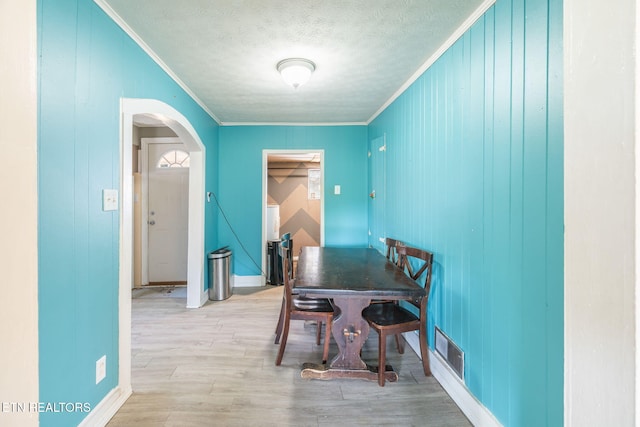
<point>219,274</point>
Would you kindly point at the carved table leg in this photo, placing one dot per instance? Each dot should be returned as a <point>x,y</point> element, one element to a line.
<point>350,332</point>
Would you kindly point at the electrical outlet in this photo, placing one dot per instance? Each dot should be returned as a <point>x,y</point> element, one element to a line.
<point>109,200</point>
<point>101,369</point>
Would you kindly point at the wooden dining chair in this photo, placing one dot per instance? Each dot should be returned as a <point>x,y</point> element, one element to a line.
<point>295,307</point>
<point>287,243</point>
<point>392,254</point>
<point>392,319</point>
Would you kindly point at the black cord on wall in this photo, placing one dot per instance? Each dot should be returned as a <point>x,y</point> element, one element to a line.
<point>235,234</point>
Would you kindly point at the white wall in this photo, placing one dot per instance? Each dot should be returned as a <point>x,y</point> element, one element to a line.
<point>600,280</point>
<point>18,215</point>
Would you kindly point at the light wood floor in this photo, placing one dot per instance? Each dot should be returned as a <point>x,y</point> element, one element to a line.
<point>214,366</point>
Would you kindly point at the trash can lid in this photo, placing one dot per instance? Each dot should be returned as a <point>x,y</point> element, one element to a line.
<point>220,253</point>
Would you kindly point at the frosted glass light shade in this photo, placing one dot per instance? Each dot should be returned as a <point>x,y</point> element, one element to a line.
<point>296,71</point>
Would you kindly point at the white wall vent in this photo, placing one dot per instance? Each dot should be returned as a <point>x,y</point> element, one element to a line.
<point>450,352</point>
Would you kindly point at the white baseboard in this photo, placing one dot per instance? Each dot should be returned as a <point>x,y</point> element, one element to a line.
<point>247,281</point>
<point>477,413</point>
<point>106,409</point>
<point>204,297</point>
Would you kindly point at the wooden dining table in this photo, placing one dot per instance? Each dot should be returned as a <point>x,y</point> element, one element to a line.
<point>352,278</point>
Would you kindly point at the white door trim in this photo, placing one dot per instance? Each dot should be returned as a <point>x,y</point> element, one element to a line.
<point>196,294</point>
<point>265,178</point>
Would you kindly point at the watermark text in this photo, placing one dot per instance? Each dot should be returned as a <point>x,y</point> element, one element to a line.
<point>40,407</point>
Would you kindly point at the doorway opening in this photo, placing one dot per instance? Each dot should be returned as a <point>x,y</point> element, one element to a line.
<point>157,112</point>
<point>293,202</point>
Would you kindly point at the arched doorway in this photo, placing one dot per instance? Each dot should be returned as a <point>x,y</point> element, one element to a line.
<point>131,110</point>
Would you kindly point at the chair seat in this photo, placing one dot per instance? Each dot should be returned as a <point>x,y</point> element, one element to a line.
<point>388,314</point>
<point>312,304</point>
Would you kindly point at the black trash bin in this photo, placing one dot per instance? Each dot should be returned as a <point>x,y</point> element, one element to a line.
<point>219,274</point>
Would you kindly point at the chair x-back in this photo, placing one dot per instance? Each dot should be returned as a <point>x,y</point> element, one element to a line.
<point>392,253</point>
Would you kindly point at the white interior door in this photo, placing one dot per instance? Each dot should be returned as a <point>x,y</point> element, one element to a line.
<point>168,209</point>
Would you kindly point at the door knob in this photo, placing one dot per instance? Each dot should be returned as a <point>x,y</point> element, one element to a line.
<point>152,222</point>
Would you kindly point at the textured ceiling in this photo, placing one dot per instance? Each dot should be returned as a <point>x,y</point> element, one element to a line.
<point>226,51</point>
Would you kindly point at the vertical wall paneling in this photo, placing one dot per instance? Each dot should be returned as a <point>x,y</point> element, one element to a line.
<point>555,210</point>
<point>475,160</point>
<point>515,254</point>
<point>500,40</point>
<point>86,65</point>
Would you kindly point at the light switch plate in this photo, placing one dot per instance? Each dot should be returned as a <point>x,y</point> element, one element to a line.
<point>109,200</point>
<point>336,189</point>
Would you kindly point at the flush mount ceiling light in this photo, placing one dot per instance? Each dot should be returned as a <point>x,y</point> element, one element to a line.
<point>296,71</point>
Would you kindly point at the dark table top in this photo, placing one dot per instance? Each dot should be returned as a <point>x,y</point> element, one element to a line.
<point>365,272</point>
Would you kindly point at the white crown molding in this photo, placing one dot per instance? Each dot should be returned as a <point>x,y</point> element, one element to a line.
<point>433,58</point>
<point>446,45</point>
<point>293,124</point>
<point>127,29</point>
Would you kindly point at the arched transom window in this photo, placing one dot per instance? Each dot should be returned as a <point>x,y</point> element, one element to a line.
<point>174,159</point>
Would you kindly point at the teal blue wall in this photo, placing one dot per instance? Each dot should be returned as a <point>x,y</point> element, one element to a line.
<point>86,64</point>
<point>240,179</point>
<point>475,161</point>
<point>474,155</point>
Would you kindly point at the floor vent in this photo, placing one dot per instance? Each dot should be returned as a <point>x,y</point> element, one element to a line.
<point>450,352</point>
